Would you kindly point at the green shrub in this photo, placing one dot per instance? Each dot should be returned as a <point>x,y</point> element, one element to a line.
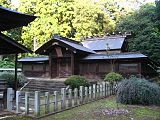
<point>138,91</point>
<point>76,81</point>
<point>113,77</point>
<point>7,63</point>
<point>10,77</point>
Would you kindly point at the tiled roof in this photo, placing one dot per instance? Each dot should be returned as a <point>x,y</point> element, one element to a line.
<point>114,56</point>
<point>73,44</point>
<point>32,59</point>
<point>10,19</point>
<point>90,57</point>
<point>77,46</point>
<point>114,42</point>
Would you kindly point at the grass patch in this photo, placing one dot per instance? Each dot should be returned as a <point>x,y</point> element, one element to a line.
<point>92,111</point>
<point>147,112</point>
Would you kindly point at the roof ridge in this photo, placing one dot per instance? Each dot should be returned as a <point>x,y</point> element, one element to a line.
<point>56,36</point>
<point>104,38</point>
<point>123,53</point>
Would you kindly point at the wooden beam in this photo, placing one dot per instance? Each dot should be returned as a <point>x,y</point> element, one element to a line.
<point>139,68</point>
<point>72,63</point>
<point>50,64</point>
<point>15,79</point>
<point>58,67</point>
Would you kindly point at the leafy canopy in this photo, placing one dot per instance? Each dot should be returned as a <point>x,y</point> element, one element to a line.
<point>144,27</point>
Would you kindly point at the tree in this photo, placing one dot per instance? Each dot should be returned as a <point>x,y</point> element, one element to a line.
<point>5,3</point>
<point>91,19</point>
<point>157,2</point>
<point>69,18</point>
<point>145,34</point>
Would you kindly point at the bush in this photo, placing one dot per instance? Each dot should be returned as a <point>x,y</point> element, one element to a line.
<point>10,77</point>
<point>6,63</point>
<point>138,91</point>
<point>76,81</point>
<point>113,77</point>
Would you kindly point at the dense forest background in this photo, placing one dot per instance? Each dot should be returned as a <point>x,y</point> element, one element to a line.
<point>78,19</point>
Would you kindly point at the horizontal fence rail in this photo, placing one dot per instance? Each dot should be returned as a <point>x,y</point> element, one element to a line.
<point>39,104</point>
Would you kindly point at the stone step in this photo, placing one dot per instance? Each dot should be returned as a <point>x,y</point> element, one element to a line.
<point>44,86</point>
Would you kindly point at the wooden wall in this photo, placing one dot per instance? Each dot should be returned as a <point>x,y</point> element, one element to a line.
<point>98,69</point>
<point>33,69</point>
<point>94,69</point>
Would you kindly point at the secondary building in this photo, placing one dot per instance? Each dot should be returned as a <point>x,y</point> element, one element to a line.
<point>92,58</point>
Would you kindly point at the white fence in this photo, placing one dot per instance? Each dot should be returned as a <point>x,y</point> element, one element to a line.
<point>39,104</point>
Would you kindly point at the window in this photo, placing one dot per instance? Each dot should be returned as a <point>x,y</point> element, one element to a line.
<point>27,67</point>
<point>104,67</point>
<point>38,67</point>
<point>83,68</point>
<point>128,67</point>
<point>91,67</point>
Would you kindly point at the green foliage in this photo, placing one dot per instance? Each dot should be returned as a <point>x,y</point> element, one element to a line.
<point>76,81</point>
<point>113,77</point>
<point>5,3</point>
<point>6,63</point>
<point>70,18</point>
<point>138,91</point>
<point>10,77</point>
<point>144,28</point>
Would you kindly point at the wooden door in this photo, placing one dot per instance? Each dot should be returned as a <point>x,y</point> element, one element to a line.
<point>54,68</point>
<point>64,67</point>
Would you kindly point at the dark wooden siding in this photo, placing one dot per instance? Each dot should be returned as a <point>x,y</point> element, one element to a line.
<point>98,69</point>
<point>32,69</point>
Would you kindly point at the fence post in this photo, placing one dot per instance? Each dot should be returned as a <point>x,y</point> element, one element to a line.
<point>107,88</point>
<point>18,93</point>
<point>9,99</point>
<point>81,94</point>
<point>37,103</point>
<point>94,91</point>
<point>98,91</point>
<point>86,94</point>
<point>101,90</point>
<point>75,96</point>
<point>46,102</point>
<point>90,92</point>
<point>110,89</point>
<point>26,102</point>
<point>63,93</point>
<point>70,98</point>
<point>104,89</point>
<point>55,101</point>
<point>114,87</point>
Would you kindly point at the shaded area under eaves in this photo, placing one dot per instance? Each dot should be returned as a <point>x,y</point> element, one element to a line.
<point>10,46</point>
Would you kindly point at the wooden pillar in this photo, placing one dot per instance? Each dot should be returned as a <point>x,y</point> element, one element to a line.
<point>58,67</point>
<point>72,63</point>
<point>139,69</point>
<point>50,65</point>
<point>15,79</point>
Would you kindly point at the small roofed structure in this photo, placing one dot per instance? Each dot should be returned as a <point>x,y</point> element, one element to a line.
<point>8,20</point>
<point>11,19</point>
<point>63,55</point>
